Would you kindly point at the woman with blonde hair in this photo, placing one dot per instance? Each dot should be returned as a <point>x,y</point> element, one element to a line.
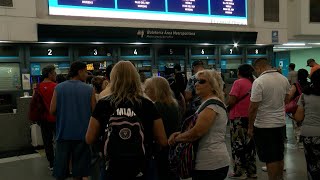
<point>129,122</point>
<point>212,158</point>
<point>158,90</point>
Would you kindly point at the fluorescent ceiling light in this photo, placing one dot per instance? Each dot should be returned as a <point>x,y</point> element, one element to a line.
<point>290,47</point>
<point>294,44</point>
<point>205,44</point>
<point>313,43</point>
<point>138,43</point>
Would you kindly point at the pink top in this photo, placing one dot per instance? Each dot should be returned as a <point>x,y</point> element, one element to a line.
<point>239,89</point>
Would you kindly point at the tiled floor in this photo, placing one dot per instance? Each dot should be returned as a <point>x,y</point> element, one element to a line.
<point>34,167</point>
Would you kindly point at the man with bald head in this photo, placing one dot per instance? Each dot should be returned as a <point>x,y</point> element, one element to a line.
<point>267,116</point>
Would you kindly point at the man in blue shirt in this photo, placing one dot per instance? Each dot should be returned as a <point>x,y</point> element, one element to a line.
<point>72,102</point>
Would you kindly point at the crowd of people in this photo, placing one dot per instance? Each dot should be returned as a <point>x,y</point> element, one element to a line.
<point>123,126</point>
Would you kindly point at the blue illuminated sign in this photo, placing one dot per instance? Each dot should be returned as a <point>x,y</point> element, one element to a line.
<point>202,11</point>
<point>35,69</point>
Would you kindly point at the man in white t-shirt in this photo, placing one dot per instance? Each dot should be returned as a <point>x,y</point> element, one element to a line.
<point>267,116</point>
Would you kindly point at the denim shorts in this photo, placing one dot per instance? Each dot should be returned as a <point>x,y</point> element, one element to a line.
<point>80,155</point>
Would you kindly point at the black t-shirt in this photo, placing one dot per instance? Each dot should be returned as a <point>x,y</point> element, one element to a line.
<point>145,110</point>
<point>170,117</point>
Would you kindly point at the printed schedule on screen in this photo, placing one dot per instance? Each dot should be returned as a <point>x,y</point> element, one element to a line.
<point>203,11</point>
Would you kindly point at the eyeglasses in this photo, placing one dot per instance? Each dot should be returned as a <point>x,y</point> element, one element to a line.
<point>200,81</point>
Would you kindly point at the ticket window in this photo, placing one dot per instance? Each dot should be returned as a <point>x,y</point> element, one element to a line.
<point>229,68</point>
<point>144,67</point>
<point>206,55</point>
<point>98,68</point>
<point>207,63</point>
<point>10,76</point>
<point>167,67</point>
<point>62,68</point>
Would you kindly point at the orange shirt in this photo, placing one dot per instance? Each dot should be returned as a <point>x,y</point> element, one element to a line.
<point>314,68</point>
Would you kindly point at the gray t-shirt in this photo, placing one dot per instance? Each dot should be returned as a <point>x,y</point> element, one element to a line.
<point>311,122</point>
<point>212,152</point>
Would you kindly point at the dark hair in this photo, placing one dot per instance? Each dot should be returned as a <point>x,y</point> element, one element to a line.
<point>303,77</point>
<point>47,70</point>
<point>292,66</point>
<point>197,63</point>
<point>261,61</point>
<point>143,77</point>
<point>97,82</point>
<point>75,67</point>
<point>60,78</point>
<point>108,71</point>
<point>177,67</point>
<point>314,88</point>
<point>180,80</point>
<point>245,71</point>
<point>89,78</point>
<point>174,87</point>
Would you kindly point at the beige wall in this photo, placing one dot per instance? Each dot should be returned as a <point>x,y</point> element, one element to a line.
<point>299,26</point>
<point>19,23</point>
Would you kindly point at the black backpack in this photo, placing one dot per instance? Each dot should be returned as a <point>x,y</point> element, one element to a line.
<point>124,147</point>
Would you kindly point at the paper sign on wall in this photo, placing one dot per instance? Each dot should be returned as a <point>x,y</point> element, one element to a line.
<point>26,82</point>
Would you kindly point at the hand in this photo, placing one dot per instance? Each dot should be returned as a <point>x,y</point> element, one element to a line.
<point>172,139</point>
<point>250,132</point>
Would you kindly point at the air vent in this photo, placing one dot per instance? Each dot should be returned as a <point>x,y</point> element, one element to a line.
<point>6,3</point>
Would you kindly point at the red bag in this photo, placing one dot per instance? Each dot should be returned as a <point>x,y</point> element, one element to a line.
<point>292,106</point>
<point>37,108</point>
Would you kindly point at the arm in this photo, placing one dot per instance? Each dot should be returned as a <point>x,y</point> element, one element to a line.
<point>290,78</point>
<point>184,106</point>
<point>299,115</point>
<point>159,132</point>
<point>93,100</point>
<point>287,99</point>
<point>188,92</point>
<point>253,109</point>
<point>291,93</point>
<point>231,101</point>
<point>53,105</point>
<point>93,130</point>
<point>188,96</point>
<point>205,120</point>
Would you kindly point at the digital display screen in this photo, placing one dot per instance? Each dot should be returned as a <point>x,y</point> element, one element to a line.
<point>202,11</point>
<point>188,6</point>
<point>150,5</point>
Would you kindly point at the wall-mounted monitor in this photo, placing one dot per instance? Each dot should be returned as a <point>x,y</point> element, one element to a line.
<point>201,11</point>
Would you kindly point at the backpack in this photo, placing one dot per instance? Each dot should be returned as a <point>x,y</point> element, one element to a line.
<point>183,155</point>
<point>124,147</point>
<point>37,108</point>
<point>292,106</point>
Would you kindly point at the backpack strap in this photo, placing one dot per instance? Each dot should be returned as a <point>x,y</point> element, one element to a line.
<point>212,101</point>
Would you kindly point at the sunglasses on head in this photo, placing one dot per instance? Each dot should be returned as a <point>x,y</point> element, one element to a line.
<point>200,81</point>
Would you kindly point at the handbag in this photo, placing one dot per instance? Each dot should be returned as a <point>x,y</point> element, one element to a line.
<point>292,106</point>
<point>182,157</point>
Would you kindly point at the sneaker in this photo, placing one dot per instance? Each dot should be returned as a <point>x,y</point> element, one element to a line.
<point>237,176</point>
<point>264,168</point>
<point>252,176</point>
